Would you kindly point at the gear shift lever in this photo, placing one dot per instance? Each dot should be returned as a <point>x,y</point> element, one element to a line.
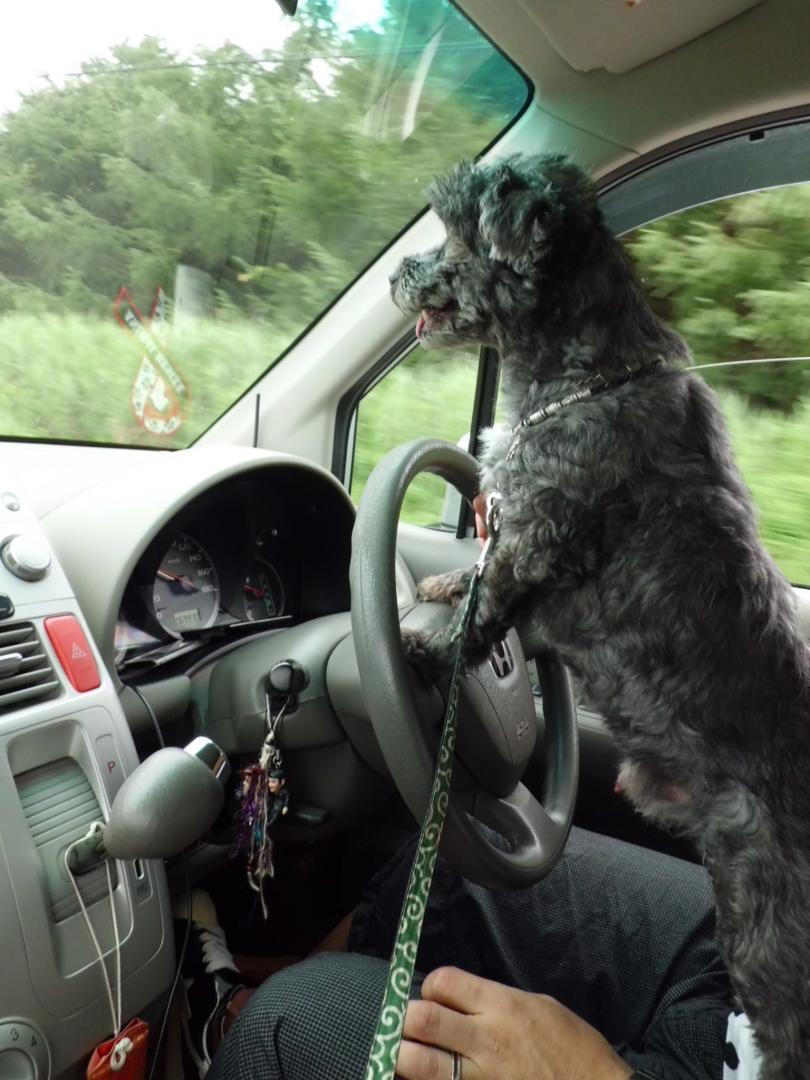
<point>167,803</point>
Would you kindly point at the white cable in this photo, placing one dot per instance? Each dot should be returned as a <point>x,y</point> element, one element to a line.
<point>117,939</point>
<point>739,363</point>
<point>115,1013</point>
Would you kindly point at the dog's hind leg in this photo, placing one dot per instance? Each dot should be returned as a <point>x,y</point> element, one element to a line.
<point>762,885</point>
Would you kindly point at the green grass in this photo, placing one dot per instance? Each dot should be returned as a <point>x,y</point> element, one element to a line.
<point>773,452</point>
<point>69,377</point>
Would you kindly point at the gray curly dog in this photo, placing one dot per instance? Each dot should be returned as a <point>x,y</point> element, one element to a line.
<point>629,542</point>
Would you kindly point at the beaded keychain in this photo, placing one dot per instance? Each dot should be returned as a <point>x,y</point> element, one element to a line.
<point>263,799</point>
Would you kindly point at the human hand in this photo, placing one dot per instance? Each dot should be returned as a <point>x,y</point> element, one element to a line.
<point>480,508</point>
<point>500,1034</point>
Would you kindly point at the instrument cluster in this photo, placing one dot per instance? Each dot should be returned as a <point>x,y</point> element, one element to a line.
<point>225,563</point>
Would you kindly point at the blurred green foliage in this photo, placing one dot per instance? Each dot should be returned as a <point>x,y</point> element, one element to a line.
<point>733,277</point>
<point>280,174</point>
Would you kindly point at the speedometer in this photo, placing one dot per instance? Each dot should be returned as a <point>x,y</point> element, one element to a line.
<point>185,595</point>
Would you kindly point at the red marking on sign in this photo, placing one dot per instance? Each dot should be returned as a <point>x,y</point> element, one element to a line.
<point>159,390</point>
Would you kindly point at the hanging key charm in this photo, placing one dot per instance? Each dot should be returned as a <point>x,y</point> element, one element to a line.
<point>284,680</point>
<point>265,797</point>
<point>272,761</point>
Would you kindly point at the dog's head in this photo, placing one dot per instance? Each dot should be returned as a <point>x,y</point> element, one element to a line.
<point>516,230</point>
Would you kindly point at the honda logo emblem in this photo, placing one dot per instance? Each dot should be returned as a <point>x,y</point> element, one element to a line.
<point>501,659</point>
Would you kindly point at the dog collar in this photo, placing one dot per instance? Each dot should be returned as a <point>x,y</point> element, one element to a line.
<point>596,384</point>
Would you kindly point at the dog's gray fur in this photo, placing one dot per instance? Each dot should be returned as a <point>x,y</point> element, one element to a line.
<point>630,541</point>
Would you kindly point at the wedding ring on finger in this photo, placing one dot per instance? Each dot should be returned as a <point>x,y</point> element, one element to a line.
<point>456,1073</point>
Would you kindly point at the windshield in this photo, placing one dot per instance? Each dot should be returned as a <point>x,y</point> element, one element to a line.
<point>185,188</point>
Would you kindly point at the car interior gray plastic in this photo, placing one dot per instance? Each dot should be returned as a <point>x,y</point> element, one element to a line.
<point>434,551</point>
<point>536,834</point>
<point>51,975</point>
<point>335,780</point>
<point>57,799</point>
<point>235,717</point>
<point>165,806</point>
<point>231,710</point>
<point>803,612</point>
<point>156,494</point>
<point>347,696</point>
<point>487,705</point>
<point>169,698</point>
<point>99,562</point>
<point>780,155</point>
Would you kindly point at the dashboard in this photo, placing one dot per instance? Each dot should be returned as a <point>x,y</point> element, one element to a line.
<point>231,561</point>
<point>184,551</point>
<point>184,579</point>
<point>179,580</point>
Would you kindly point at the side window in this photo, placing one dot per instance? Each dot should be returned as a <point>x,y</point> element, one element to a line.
<point>428,394</point>
<point>733,277</point>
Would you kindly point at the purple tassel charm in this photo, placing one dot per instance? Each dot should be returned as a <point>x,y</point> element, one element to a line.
<point>263,799</point>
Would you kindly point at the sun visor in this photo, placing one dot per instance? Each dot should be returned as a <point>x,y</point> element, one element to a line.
<point>622,34</point>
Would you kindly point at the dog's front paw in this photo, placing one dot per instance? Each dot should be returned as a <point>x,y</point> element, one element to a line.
<point>445,588</point>
<point>425,652</point>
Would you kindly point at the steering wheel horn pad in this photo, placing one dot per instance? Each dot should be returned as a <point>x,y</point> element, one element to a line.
<point>497,723</point>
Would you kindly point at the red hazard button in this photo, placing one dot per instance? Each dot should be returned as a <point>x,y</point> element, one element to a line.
<point>73,650</point>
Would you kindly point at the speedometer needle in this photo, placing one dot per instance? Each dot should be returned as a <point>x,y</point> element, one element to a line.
<point>184,581</point>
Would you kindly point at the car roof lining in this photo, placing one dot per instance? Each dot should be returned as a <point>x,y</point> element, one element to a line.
<point>619,35</point>
<point>765,156</point>
<point>751,65</point>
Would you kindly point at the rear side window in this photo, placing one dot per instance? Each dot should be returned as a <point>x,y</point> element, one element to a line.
<point>733,277</point>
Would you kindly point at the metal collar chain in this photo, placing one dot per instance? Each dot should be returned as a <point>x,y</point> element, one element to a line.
<point>493,516</point>
<point>382,1058</point>
<point>597,384</point>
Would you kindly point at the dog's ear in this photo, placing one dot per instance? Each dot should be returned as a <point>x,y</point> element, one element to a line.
<point>526,200</point>
<point>452,195</point>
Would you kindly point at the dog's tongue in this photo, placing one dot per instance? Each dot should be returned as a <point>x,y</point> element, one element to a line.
<point>420,324</point>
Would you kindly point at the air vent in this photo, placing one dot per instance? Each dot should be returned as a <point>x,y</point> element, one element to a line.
<point>59,804</point>
<point>26,674</point>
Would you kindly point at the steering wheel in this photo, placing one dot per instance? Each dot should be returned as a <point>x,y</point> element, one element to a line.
<point>497,723</point>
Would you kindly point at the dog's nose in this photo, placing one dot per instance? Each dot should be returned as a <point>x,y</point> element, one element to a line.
<point>394,278</point>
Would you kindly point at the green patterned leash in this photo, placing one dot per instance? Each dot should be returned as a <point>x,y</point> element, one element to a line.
<point>382,1057</point>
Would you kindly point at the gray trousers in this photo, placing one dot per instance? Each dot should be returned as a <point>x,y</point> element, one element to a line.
<point>620,935</point>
